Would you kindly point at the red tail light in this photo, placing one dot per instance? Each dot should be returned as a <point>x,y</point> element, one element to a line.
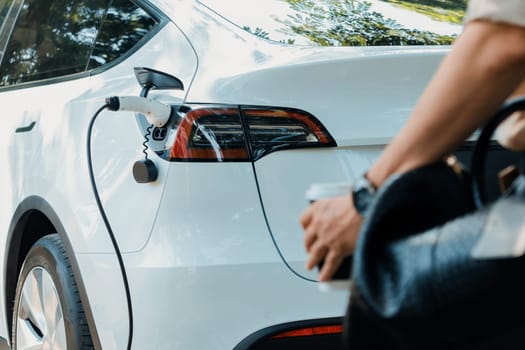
<point>242,134</point>
<point>210,134</point>
<point>306,332</point>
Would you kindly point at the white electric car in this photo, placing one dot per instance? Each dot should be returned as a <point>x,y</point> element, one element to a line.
<point>199,246</point>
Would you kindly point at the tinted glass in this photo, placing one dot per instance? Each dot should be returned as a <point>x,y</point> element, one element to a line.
<point>347,22</point>
<point>51,39</point>
<point>124,26</point>
<point>4,8</point>
<point>8,10</point>
<point>62,37</point>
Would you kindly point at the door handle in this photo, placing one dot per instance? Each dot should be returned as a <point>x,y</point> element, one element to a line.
<point>27,128</point>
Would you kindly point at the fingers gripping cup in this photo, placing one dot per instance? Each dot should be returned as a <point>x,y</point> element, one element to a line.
<point>317,191</point>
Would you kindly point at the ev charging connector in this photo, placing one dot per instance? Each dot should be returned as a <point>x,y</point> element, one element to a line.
<point>157,114</point>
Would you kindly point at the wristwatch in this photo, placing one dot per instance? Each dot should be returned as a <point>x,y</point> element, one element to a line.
<point>363,192</point>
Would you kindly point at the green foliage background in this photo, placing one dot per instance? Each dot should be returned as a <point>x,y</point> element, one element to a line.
<point>353,23</point>
<point>451,11</point>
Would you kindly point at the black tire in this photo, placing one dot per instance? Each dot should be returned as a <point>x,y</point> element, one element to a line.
<point>47,258</point>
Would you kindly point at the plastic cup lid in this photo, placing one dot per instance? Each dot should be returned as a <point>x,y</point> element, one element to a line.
<point>328,189</point>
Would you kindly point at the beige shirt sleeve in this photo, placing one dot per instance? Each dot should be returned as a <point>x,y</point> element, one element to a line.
<point>507,11</point>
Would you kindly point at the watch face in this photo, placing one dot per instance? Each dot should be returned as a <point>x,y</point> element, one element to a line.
<point>362,198</point>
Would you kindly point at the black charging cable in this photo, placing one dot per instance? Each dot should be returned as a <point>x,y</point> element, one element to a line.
<point>106,222</point>
<point>144,93</point>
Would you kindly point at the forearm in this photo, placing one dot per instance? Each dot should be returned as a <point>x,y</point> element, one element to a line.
<point>484,67</point>
<point>520,91</point>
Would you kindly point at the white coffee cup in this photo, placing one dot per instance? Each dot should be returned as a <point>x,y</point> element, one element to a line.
<point>323,190</point>
<point>319,191</point>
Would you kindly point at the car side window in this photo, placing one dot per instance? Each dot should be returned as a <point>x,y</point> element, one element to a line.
<point>125,24</point>
<point>8,8</point>
<point>61,37</point>
<point>50,39</point>
<point>4,9</point>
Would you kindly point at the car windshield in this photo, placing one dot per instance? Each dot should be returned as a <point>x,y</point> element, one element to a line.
<point>347,22</point>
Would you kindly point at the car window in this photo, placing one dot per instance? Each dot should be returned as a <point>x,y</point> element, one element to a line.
<point>50,39</point>
<point>125,24</point>
<point>347,22</point>
<point>61,37</point>
<point>8,10</point>
<point>4,8</point>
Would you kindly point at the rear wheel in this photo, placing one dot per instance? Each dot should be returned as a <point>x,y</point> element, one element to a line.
<point>48,313</point>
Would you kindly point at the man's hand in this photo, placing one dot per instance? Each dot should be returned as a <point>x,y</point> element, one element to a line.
<point>331,227</point>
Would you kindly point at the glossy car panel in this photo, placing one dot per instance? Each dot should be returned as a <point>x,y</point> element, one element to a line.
<point>284,178</point>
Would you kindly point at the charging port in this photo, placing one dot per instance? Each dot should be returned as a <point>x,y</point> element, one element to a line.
<point>159,134</point>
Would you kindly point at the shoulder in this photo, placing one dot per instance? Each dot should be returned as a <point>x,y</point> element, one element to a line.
<point>506,11</point>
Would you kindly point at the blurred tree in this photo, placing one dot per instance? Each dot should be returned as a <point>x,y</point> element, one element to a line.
<point>265,35</point>
<point>444,4</point>
<point>257,32</point>
<point>352,23</point>
<point>452,11</point>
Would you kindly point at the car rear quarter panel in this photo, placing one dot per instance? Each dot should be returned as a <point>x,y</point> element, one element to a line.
<point>362,95</point>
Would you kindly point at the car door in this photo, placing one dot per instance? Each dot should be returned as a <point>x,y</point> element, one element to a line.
<point>63,59</point>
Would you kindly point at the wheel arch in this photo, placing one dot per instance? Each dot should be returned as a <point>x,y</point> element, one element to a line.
<point>33,219</point>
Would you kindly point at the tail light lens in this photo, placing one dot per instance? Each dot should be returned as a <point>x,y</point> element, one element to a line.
<point>210,134</point>
<point>310,331</point>
<point>244,134</point>
<point>271,130</point>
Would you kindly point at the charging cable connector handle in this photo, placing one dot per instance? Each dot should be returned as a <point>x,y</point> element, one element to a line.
<point>156,113</point>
